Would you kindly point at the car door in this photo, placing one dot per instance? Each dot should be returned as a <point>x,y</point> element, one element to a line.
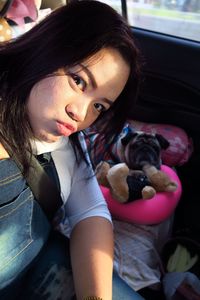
<point>170,92</point>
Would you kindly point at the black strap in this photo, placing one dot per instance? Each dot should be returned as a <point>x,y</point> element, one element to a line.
<point>44,189</point>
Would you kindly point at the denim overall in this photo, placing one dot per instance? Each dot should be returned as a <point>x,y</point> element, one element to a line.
<point>24,227</point>
<point>34,259</point>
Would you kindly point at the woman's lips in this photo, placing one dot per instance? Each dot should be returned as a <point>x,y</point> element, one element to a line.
<point>65,129</point>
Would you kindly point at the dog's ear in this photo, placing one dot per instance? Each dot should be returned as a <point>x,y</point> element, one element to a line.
<point>162,141</point>
<point>126,139</point>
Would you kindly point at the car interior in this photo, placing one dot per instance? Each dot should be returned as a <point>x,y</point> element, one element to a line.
<point>170,95</point>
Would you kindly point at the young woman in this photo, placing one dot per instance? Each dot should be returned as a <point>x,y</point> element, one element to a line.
<point>77,66</point>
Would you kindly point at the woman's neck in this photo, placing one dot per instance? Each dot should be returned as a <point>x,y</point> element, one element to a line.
<point>40,147</point>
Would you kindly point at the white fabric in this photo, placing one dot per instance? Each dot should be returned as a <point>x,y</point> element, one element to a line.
<point>137,252</point>
<point>80,192</point>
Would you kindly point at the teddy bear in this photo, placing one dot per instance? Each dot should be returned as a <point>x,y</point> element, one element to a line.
<point>138,174</point>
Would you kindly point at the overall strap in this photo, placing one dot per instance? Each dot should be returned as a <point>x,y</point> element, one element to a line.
<point>43,187</point>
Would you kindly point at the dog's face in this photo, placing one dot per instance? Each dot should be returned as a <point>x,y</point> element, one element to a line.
<point>143,148</point>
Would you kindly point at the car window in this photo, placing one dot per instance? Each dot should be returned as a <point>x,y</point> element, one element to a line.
<point>174,17</point>
<point>116,4</point>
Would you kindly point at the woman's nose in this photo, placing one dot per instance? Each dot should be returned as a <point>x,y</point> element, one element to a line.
<point>77,112</point>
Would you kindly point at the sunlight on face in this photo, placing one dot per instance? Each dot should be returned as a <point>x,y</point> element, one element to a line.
<point>74,98</point>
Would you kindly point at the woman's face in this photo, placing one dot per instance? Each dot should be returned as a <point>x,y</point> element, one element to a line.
<point>73,99</point>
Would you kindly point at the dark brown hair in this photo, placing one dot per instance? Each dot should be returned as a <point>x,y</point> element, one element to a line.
<point>66,37</point>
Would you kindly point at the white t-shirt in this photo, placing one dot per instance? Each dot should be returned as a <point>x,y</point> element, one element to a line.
<point>80,192</point>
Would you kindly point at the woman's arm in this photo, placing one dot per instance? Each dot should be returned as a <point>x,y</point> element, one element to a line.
<point>92,258</point>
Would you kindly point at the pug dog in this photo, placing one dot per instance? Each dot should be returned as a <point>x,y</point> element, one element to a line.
<point>141,152</point>
<point>139,149</point>
<point>138,173</point>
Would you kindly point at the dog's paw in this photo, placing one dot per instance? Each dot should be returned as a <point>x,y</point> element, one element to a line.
<point>162,183</point>
<point>120,195</point>
<point>101,172</point>
<point>117,176</point>
<point>118,172</point>
<point>171,186</point>
<point>148,192</point>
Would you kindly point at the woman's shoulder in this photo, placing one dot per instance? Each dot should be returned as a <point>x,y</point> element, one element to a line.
<point>12,182</point>
<point>14,191</point>
<point>3,153</point>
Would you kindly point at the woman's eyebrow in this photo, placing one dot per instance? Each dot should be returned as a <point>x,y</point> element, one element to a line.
<point>90,75</point>
<point>108,101</point>
<point>93,81</point>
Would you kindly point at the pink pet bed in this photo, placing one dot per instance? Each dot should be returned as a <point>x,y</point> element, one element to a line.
<point>146,212</point>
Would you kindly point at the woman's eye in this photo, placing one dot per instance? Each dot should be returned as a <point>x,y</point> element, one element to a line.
<point>99,107</point>
<point>79,82</point>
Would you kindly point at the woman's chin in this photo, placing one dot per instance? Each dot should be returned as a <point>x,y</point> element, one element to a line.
<point>49,138</point>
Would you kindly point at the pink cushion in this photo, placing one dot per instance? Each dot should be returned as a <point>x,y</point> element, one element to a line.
<point>146,212</point>
<point>181,146</point>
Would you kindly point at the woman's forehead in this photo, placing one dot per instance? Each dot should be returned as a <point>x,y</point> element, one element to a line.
<point>109,68</point>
